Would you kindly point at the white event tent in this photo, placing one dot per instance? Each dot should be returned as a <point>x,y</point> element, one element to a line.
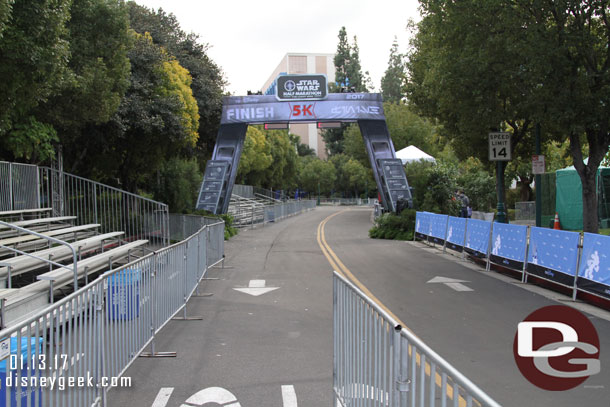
<point>412,153</point>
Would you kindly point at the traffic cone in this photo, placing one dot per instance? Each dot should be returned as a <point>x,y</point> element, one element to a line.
<point>556,225</point>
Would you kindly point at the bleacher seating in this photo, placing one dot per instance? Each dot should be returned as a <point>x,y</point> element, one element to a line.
<point>22,213</point>
<point>34,262</point>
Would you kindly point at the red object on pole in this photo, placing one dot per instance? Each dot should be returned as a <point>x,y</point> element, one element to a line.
<point>556,225</point>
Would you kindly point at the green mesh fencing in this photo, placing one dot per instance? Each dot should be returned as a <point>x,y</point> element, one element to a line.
<point>548,198</point>
<point>569,199</point>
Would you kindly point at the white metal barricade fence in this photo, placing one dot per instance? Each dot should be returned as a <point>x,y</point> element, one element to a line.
<point>377,362</point>
<point>74,351</point>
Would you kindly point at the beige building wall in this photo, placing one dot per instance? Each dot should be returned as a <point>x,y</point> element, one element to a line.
<point>303,63</point>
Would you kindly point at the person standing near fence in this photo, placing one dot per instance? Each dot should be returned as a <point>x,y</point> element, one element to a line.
<point>464,203</point>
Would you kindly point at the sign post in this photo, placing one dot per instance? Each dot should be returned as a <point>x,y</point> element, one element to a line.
<point>538,164</point>
<point>500,151</point>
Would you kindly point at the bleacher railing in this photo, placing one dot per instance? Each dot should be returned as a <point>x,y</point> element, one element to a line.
<point>74,351</point>
<point>27,187</point>
<point>578,261</point>
<point>377,362</point>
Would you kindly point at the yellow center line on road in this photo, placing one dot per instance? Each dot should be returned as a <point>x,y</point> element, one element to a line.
<point>338,266</point>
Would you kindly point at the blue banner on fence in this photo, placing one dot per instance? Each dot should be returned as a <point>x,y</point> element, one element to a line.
<point>422,225</point>
<point>438,228</point>
<point>508,243</point>
<point>456,232</point>
<point>553,254</point>
<point>594,271</point>
<point>477,237</point>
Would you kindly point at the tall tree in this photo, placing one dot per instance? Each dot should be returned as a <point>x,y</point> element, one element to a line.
<point>574,40</point>
<point>96,77</point>
<point>155,120</point>
<point>207,78</point>
<point>467,70</point>
<point>477,64</point>
<point>394,79</point>
<point>341,60</point>
<point>5,13</point>
<point>34,55</point>
<point>348,73</point>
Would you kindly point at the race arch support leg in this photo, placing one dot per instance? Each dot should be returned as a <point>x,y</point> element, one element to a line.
<point>388,171</point>
<point>221,170</point>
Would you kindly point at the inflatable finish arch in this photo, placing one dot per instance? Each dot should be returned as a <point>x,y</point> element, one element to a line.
<point>240,111</point>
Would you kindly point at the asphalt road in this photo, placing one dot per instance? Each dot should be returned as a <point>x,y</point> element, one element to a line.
<point>473,330</point>
<point>253,346</point>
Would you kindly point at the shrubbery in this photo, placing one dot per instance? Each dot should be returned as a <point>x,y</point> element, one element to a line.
<point>392,226</point>
<point>230,230</point>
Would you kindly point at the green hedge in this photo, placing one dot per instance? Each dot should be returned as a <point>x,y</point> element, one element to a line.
<point>392,226</point>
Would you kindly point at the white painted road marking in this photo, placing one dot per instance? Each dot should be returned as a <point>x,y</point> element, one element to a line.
<point>163,397</point>
<point>289,396</point>
<point>452,283</point>
<point>216,395</point>
<point>256,288</point>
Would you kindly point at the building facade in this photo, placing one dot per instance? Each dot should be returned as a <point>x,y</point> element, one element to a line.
<point>298,63</point>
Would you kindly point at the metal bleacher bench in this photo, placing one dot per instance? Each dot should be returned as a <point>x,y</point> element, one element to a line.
<point>38,221</point>
<point>36,225</point>
<point>26,263</point>
<point>21,212</point>
<point>12,241</point>
<point>18,304</point>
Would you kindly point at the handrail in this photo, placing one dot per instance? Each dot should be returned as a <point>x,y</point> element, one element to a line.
<point>51,239</point>
<point>106,186</point>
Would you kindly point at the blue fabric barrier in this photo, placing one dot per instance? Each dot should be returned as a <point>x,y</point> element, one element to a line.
<point>456,233</point>
<point>438,228</point>
<point>553,255</point>
<point>422,225</point>
<point>594,271</point>
<point>477,237</point>
<point>508,245</point>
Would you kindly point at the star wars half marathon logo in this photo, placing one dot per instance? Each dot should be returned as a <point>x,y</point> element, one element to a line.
<point>557,348</point>
<point>301,87</point>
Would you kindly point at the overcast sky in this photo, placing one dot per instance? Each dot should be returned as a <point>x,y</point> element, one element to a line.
<point>249,38</point>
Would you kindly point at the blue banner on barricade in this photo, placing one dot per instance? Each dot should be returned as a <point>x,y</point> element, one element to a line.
<point>422,225</point>
<point>438,228</point>
<point>594,271</point>
<point>477,237</point>
<point>553,255</point>
<point>456,233</point>
<point>508,245</point>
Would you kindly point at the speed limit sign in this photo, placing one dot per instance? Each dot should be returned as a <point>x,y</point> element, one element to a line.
<point>499,146</point>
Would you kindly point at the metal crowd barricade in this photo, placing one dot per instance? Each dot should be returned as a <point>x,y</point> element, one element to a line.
<point>579,262</point>
<point>24,186</point>
<point>81,346</point>
<point>379,363</point>
<point>274,213</point>
<point>182,226</point>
